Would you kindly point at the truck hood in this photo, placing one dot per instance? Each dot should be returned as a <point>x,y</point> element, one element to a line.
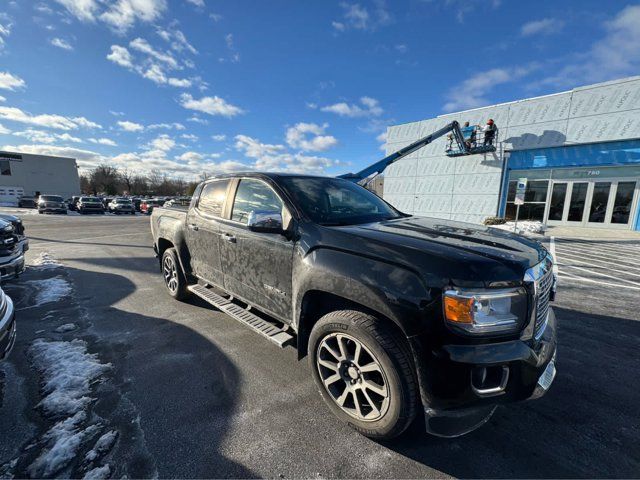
<point>461,253</point>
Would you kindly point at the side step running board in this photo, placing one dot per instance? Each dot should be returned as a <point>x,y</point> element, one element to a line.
<point>267,329</point>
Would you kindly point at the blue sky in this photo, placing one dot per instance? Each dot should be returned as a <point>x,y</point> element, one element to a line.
<point>192,86</point>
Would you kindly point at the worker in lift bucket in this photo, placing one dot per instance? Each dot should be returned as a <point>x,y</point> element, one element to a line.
<point>489,130</point>
<point>469,135</point>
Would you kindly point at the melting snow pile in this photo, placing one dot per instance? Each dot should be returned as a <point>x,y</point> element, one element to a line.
<point>98,473</point>
<point>67,327</point>
<point>525,227</point>
<point>67,371</point>
<point>45,260</point>
<point>64,439</point>
<point>51,290</point>
<point>103,445</point>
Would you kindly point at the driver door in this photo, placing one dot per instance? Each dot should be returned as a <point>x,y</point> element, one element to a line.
<point>256,265</point>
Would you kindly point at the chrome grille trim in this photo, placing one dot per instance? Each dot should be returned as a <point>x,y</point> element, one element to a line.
<point>542,277</point>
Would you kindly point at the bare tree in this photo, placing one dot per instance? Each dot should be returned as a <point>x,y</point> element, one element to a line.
<point>105,179</point>
<point>126,177</point>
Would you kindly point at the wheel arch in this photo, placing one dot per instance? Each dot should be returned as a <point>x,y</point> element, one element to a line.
<point>317,303</point>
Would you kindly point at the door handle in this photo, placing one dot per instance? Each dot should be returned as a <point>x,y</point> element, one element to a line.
<point>229,238</point>
<point>194,227</point>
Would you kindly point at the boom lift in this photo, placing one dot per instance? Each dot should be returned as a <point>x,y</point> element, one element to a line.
<point>463,148</point>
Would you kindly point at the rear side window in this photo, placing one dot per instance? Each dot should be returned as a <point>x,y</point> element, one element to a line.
<point>254,195</point>
<point>212,197</point>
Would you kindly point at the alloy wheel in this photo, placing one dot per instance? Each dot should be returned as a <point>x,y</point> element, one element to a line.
<point>170,273</point>
<point>353,377</point>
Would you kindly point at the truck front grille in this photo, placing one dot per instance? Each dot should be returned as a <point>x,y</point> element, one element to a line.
<point>543,296</point>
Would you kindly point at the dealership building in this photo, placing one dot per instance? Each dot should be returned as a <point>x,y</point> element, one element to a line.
<point>579,152</point>
<point>27,174</point>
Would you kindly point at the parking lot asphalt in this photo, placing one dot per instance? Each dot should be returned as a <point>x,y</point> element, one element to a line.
<point>193,393</point>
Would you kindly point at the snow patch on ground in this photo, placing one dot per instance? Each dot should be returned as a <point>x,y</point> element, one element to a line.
<point>525,227</point>
<point>98,473</point>
<point>102,446</point>
<point>63,441</point>
<point>50,290</point>
<point>45,260</point>
<point>67,327</point>
<point>67,371</point>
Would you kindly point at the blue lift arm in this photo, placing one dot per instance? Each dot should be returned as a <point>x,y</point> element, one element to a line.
<point>381,165</point>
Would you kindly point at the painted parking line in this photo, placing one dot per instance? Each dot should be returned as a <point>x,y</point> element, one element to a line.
<point>603,263</point>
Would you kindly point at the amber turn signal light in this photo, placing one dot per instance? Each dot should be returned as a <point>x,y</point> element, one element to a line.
<point>458,309</point>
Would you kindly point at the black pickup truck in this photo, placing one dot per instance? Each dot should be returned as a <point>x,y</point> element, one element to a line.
<point>398,314</point>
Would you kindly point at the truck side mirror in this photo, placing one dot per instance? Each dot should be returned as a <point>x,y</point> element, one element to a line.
<point>265,221</point>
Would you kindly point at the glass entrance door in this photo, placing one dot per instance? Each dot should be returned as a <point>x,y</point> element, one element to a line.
<point>606,203</point>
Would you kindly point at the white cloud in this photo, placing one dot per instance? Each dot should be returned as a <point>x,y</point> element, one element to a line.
<point>84,10</point>
<point>176,39</point>
<point>128,126</point>
<point>189,136</point>
<point>123,14</point>
<point>121,56</point>
<point>41,136</point>
<point>166,126</point>
<point>219,138</point>
<point>5,29</point>
<point>369,107</point>
<point>46,120</point>
<point>543,26</point>
<point>116,113</point>
<point>615,55</point>
<point>471,93</point>
<point>310,137</point>
<point>197,3</point>
<point>271,157</point>
<point>162,142</point>
<point>152,67</point>
<point>4,130</point>
<point>3,99</point>
<point>85,158</point>
<point>61,43</point>
<point>197,119</point>
<point>358,17</point>
<point>104,141</point>
<point>141,45</point>
<point>211,105</point>
<point>9,81</point>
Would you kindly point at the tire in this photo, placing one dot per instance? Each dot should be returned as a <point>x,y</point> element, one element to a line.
<point>386,392</point>
<point>173,275</point>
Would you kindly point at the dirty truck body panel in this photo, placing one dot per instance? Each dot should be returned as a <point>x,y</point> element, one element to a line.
<point>401,269</point>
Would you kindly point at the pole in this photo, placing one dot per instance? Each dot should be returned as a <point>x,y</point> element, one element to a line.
<point>515,225</point>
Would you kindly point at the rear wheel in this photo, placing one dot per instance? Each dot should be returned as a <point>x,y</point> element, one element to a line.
<point>365,373</point>
<point>174,279</point>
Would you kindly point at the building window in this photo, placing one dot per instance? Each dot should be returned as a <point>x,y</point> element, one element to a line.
<point>535,200</point>
<point>5,167</point>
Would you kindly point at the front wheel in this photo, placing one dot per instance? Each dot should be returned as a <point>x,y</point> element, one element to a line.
<point>173,276</point>
<point>364,370</point>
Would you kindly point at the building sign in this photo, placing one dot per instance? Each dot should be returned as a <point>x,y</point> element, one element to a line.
<point>10,156</point>
<point>521,188</point>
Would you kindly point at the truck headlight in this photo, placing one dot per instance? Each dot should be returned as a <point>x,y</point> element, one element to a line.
<point>479,312</point>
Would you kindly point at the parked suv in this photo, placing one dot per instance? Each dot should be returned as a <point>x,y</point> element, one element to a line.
<point>27,201</point>
<point>398,314</point>
<point>121,205</point>
<point>90,205</point>
<point>147,206</point>
<point>7,325</point>
<point>52,204</point>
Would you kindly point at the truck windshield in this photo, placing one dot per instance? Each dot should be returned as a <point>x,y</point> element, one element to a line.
<point>333,201</point>
<point>50,198</point>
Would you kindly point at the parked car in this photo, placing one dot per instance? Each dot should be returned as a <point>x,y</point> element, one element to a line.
<point>396,313</point>
<point>52,204</point>
<point>27,201</point>
<point>121,205</point>
<point>90,205</point>
<point>7,325</point>
<point>72,203</point>
<point>136,203</point>
<point>178,202</point>
<point>11,251</point>
<point>18,228</point>
<point>147,206</point>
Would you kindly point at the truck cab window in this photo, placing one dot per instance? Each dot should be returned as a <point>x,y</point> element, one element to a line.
<point>254,195</point>
<point>212,197</point>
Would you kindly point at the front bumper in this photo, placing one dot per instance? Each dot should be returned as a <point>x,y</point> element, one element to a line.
<point>12,266</point>
<point>448,378</point>
<point>52,209</point>
<point>7,330</point>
